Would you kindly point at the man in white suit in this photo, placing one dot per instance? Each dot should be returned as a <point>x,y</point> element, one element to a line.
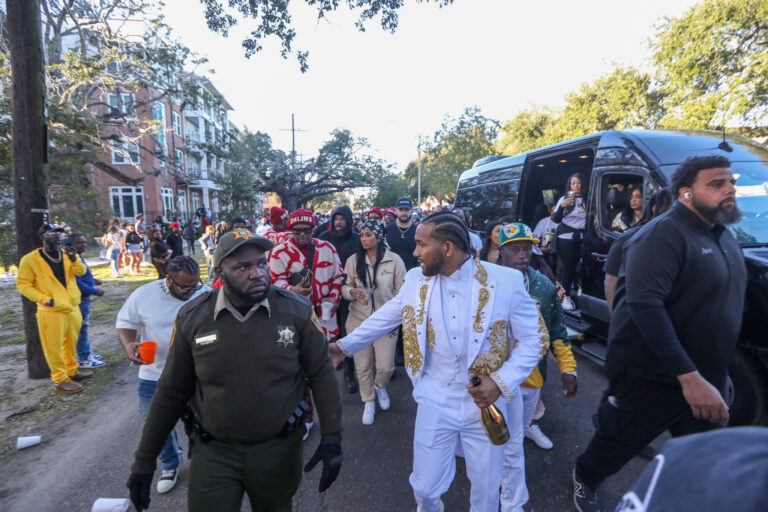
<point>459,317</point>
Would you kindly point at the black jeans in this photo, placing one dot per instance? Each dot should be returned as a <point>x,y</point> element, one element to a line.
<point>569,253</point>
<point>632,413</point>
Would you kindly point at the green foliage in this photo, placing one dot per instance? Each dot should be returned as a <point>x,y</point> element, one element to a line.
<point>458,143</point>
<point>527,130</point>
<point>93,48</point>
<point>247,160</point>
<point>388,189</point>
<point>713,63</point>
<point>342,164</point>
<point>711,72</point>
<point>273,19</point>
<point>620,100</point>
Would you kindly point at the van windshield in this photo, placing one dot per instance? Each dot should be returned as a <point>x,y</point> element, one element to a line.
<point>752,200</point>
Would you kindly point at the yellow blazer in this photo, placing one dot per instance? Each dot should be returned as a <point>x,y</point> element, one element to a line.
<point>37,282</point>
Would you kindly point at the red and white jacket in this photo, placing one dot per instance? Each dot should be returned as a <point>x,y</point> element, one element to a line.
<point>287,259</point>
<point>277,237</point>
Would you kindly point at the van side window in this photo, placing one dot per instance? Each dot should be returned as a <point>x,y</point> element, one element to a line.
<point>623,197</point>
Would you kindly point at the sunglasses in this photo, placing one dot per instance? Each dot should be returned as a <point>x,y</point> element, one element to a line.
<point>299,231</point>
<point>187,289</point>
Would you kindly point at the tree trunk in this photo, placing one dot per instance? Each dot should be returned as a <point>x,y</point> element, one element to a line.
<point>28,151</point>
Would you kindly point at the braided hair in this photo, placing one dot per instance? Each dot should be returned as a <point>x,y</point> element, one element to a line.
<point>450,228</point>
<point>182,264</point>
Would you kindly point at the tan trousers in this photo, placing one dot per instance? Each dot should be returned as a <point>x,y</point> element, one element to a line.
<point>383,352</point>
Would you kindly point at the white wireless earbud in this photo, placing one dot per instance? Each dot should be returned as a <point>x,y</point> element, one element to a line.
<point>687,195</point>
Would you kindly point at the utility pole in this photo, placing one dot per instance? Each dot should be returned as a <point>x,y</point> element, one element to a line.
<point>29,151</point>
<point>419,178</point>
<point>291,201</point>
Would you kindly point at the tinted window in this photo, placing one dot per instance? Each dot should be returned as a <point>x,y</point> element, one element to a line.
<point>484,203</point>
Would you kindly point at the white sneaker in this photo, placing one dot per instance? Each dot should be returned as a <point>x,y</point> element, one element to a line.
<point>309,426</point>
<point>91,363</point>
<point>168,479</point>
<point>568,304</point>
<point>537,436</point>
<point>369,413</point>
<point>383,396</point>
<point>440,507</point>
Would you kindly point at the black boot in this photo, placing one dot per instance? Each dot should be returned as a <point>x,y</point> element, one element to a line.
<point>349,375</point>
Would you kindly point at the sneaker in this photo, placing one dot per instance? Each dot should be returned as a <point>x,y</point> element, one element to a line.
<point>81,376</point>
<point>91,363</point>
<point>309,427</point>
<point>167,480</point>
<point>68,386</point>
<point>585,499</point>
<point>96,356</point>
<point>383,396</point>
<point>369,413</point>
<point>537,436</point>
<point>568,304</point>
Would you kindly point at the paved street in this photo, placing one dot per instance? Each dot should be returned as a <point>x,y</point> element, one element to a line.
<point>91,459</point>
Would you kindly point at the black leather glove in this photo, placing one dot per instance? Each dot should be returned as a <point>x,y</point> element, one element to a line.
<point>329,451</point>
<point>139,484</point>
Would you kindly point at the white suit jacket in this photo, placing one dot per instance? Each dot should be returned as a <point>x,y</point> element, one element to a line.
<point>502,311</point>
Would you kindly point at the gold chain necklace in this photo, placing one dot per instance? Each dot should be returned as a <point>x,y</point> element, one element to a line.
<point>50,258</point>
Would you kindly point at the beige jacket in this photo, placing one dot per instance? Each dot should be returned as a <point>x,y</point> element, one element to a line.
<point>389,278</point>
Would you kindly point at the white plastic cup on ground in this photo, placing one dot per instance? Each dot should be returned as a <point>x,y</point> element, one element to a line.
<point>26,442</point>
<point>111,505</point>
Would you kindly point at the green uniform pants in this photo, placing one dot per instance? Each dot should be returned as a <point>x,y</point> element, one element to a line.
<point>270,472</point>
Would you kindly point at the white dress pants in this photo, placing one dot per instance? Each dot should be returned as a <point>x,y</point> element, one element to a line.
<point>439,431</point>
<point>514,493</point>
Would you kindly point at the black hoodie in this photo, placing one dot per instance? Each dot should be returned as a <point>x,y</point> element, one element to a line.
<point>346,245</point>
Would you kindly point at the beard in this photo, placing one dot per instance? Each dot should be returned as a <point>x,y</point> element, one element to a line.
<point>719,214</point>
<point>244,295</point>
<point>432,269</point>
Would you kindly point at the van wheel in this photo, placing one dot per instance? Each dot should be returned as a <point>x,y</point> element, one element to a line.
<point>749,388</point>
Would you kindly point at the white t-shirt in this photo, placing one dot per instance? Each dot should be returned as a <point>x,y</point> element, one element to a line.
<point>151,310</point>
<point>577,218</point>
<point>477,242</point>
<point>262,229</point>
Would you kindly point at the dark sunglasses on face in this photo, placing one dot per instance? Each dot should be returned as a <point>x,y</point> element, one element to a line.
<point>300,231</point>
<point>187,289</point>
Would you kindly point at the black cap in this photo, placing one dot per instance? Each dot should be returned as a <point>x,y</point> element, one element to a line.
<point>404,202</point>
<point>49,228</point>
<point>230,242</point>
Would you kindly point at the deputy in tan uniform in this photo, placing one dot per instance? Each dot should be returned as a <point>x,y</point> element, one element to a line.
<point>239,355</point>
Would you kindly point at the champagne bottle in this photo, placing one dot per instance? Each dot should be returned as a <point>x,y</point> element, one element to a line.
<point>493,420</point>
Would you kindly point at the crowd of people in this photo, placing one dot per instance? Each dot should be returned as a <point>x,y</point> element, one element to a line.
<point>243,359</point>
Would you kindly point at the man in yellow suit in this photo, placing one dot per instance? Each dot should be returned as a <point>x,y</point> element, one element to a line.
<point>47,278</point>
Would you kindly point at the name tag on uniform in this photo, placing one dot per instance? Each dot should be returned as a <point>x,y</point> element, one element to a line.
<point>206,339</point>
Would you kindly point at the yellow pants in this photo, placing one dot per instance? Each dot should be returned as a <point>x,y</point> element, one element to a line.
<point>58,336</point>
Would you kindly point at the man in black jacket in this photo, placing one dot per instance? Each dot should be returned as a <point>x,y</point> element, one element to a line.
<point>345,240</point>
<point>175,241</point>
<point>678,310</point>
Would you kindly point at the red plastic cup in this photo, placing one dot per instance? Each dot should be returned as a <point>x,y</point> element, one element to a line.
<point>147,350</point>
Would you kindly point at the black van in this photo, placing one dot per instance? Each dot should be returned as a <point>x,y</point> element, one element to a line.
<point>521,186</point>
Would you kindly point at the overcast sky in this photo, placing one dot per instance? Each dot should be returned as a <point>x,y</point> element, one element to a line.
<point>502,55</point>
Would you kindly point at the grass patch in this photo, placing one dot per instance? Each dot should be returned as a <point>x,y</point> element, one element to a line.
<point>18,340</point>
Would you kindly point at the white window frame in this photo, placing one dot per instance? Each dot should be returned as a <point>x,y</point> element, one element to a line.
<point>176,117</point>
<point>179,159</point>
<point>166,197</point>
<point>125,154</point>
<point>125,104</point>
<point>137,195</point>
<point>181,198</point>
<point>196,201</point>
